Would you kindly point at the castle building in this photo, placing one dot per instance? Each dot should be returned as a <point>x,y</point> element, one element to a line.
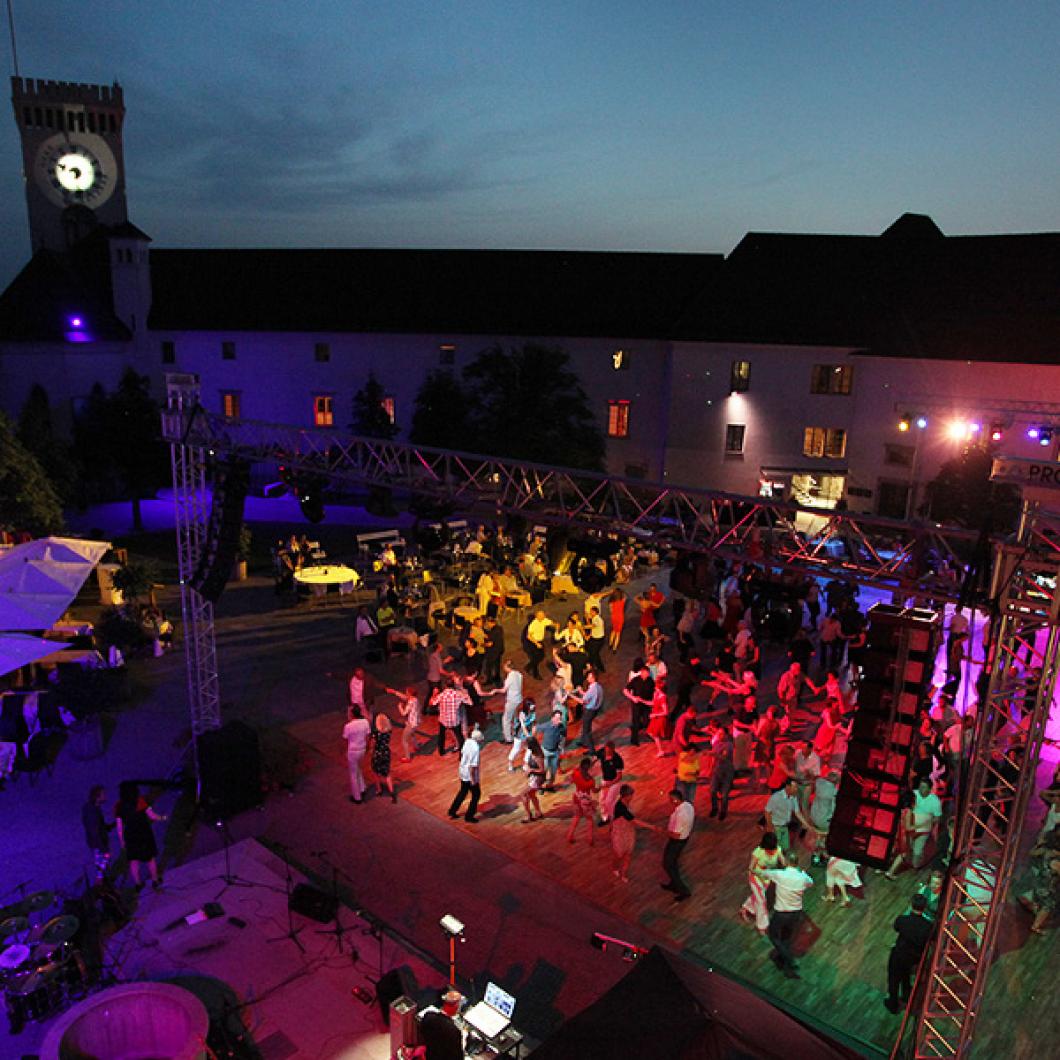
<point>832,370</point>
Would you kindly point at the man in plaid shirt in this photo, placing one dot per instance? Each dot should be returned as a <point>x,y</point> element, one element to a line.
<point>449,699</point>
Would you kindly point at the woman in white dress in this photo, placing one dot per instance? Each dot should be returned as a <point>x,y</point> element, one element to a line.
<point>767,855</point>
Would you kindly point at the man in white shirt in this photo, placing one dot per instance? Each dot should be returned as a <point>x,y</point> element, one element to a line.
<point>678,829</point>
<point>781,808</point>
<point>791,884</point>
<point>469,777</point>
<point>513,697</point>
<point>807,770</point>
<point>927,812</point>
<point>597,636</point>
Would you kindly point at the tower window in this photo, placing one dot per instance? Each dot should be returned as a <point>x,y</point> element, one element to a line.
<point>38,118</point>
<point>91,122</point>
<point>618,419</point>
<point>228,351</point>
<point>81,121</point>
<point>323,416</point>
<point>112,123</point>
<point>620,360</point>
<point>27,117</point>
<point>321,352</point>
<point>169,351</point>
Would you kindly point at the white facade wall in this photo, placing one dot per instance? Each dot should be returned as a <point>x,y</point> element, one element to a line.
<point>277,377</point>
<point>779,405</point>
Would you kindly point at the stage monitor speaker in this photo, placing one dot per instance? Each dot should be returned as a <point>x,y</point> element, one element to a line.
<point>316,904</point>
<point>229,761</point>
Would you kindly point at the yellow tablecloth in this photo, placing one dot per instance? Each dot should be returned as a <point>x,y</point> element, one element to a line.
<point>332,574</point>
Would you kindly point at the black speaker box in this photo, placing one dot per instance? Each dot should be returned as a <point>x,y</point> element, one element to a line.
<point>229,770</point>
<point>396,982</point>
<point>316,904</point>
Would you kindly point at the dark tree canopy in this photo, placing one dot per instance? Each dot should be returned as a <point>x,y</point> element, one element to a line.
<point>370,417</point>
<point>438,417</point>
<point>119,443</point>
<point>37,434</point>
<point>28,500</point>
<point>962,493</point>
<point>523,403</point>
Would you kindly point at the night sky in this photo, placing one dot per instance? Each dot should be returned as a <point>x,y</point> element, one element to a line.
<point>584,125</point>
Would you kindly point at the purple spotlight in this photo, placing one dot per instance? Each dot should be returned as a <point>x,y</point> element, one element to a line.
<point>921,422</point>
<point>76,322</point>
<point>1032,432</point>
<point>975,428</point>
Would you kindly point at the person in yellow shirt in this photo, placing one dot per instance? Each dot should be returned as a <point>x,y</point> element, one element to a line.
<point>687,773</point>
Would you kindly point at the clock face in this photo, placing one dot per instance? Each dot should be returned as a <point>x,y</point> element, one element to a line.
<point>76,168</point>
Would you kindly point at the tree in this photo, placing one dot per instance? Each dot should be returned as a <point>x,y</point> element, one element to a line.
<point>962,493</point>
<point>28,500</point>
<point>370,417</point>
<point>438,417</point>
<point>527,403</point>
<point>54,454</point>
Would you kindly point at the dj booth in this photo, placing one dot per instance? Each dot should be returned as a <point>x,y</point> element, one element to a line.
<point>486,1027</point>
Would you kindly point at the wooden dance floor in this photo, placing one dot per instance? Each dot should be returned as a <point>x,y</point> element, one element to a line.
<point>843,951</point>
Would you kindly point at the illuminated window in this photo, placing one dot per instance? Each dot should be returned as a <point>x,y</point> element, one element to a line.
<point>740,377</point>
<point>228,351</point>
<point>230,404</point>
<point>734,438</point>
<point>618,419</point>
<point>817,491</point>
<point>832,379</point>
<point>446,355</point>
<point>169,351</point>
<point>824,441</point>
<point>321,352</point>
<point>620,360</point>
<point>323,416</point>
<point>388,408</point>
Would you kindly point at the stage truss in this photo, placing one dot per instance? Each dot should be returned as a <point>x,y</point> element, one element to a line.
<point>1001,781</point>
<point>888,554</point>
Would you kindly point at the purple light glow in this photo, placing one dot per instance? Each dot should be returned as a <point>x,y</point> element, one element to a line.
<point>1032,432</point>
<point>76,322</point>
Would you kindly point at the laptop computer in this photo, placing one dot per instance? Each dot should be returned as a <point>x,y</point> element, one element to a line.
<point>492,1015</point>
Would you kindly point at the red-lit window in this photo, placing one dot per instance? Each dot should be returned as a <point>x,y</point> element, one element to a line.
<point>618,419</point>
<point>389,408</point>
<point>230,404</point>
<point>323,414</point>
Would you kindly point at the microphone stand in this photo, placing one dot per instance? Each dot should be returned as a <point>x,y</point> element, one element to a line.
<point>338,930</point>
<point>230,879</point>
<point>292,931</point>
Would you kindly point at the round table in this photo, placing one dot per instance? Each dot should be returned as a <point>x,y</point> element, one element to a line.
<point>468,614</point>
<point>331,574</point>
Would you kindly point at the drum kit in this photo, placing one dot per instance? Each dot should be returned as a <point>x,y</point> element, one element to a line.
<point>40,968</point>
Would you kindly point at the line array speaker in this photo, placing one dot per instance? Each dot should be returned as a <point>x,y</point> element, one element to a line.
<point>229,770</point>
<point>231,481</point>
<point>897,665</point>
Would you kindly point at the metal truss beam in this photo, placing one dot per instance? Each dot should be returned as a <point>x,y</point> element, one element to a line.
<point>886,553</point>
<point>192,503</point>
<point>1000,783</point>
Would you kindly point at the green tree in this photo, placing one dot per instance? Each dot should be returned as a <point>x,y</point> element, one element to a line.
<point>134,440</point>
<point>370,417</point>
<point>527,403</point>
<point>439,411</point>
<point>54,454</point>
<point>93,449</point>
<point>28,500</point>
<point>962,493</point>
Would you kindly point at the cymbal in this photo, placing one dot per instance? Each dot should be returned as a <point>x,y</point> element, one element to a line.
<point>60,929</point>
<point>13,925</point>
<point>37,901</point>
<point>14,957</point>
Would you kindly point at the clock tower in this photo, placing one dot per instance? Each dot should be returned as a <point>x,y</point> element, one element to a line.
<point>72,158</point>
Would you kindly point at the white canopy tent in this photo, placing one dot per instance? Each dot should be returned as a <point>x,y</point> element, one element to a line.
<point>40,579</point>
<point>18,649</point>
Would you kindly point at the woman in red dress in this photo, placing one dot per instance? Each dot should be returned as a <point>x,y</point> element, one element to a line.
<point>616,604</point>
<point>584,802</point>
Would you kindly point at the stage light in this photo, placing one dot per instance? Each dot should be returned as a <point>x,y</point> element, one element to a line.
<point>76,322</point>
<point>957,429</point>
<point>903,425</point>
<point>997,432</point>
<point>1045,436</point>
<point>450,925</point>
<point>1032,433</point>
<point>921,422</point>
<point>974,427</point>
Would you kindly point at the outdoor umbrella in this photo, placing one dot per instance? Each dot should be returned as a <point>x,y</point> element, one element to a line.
<point>18,649</point>
<point>40,579</point>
